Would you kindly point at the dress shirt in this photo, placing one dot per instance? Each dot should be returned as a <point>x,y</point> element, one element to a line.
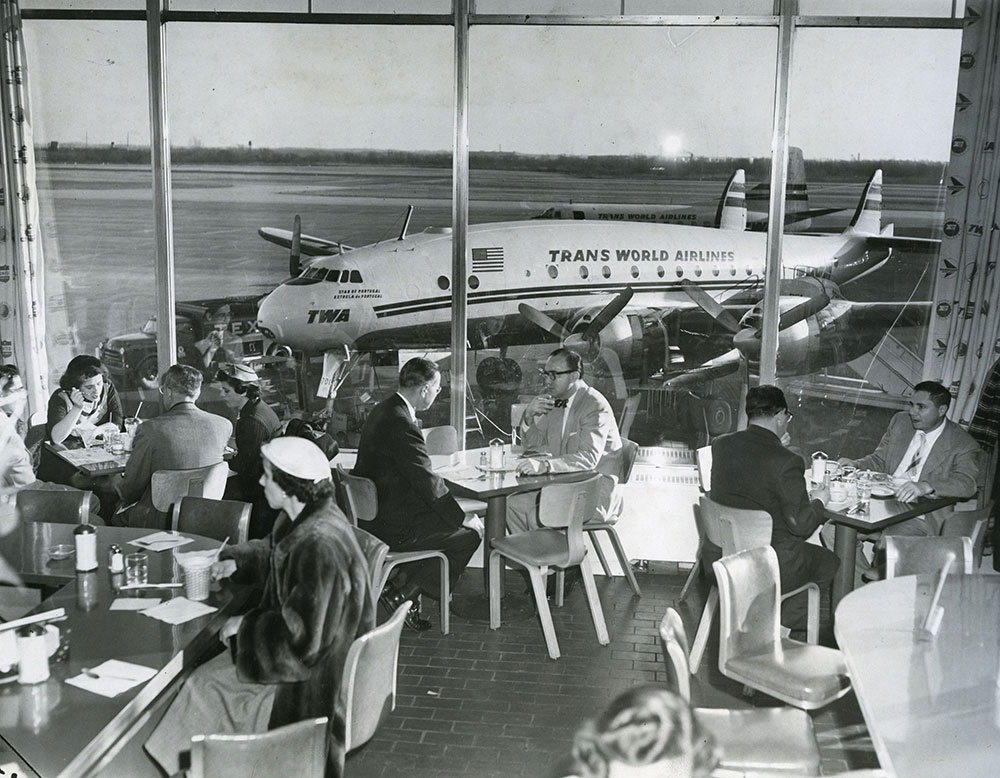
<point>922,442</point>
<point>413,413</point>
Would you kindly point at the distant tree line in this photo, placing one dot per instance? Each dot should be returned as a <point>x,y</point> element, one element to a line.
<point>757,168</point>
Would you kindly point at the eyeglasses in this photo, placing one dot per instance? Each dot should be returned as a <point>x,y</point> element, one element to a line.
<point>553,374</point>
<point>789,414</point>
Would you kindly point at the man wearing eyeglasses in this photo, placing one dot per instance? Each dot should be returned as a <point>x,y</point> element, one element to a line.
<point>572,427</point>
<point>754,469</point>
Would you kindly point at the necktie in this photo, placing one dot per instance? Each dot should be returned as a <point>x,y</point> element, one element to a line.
<point>914,465</point>
<point>560,403</point>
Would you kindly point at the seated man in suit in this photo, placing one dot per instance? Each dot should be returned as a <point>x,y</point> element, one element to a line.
<point>934,455</point>
<point>573,427</point>
<point>753,469</point>
<point>184,437</point>
<point>416,512</point>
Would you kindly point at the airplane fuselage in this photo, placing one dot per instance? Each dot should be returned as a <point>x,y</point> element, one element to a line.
<point>401,289</point>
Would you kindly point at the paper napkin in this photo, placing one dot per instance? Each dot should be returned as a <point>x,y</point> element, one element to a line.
<point>178,610</point>
<point>113,678</point>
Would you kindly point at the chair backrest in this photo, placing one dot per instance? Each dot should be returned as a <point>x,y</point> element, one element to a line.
<point>369,680</point>
<point>219,519</point>
<point>703,457</point>
<point>375,552</point>
<point>568,505</point>
<point>168,486</point>
<point>912,556</point>
<point>630,450</point>
<point>361,496</point>
<point>675,653</point>
<point>971,524</point>
<point>748,602</point>
<point>296,749</point>
<point>441,440</point>
<point>734,529</point>
<point>70,506</point>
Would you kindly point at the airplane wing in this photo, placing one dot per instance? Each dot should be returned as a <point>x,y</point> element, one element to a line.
<point>310,246</point>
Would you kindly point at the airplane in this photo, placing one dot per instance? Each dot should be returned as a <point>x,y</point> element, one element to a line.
<point>671,304</point>
<point>798,214</point>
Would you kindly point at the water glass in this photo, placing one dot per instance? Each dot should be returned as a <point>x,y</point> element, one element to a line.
<point>864,492</point>
<point>136,568</point>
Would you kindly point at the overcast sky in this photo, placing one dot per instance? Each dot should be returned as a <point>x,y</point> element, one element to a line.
<point>855,93</point>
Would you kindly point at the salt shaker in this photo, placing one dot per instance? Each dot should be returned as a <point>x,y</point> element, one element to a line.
<point>116,559</point>
<point>819,467</point>
<point>33,656</point>
<point>85,538</point>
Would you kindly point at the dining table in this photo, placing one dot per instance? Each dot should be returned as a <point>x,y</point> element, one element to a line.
<point>931,702</point>
<point>93,461</point>
<point>882,512</point>
<point>56,730</point>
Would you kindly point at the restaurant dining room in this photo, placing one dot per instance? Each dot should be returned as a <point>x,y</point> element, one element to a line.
<point>499,388</point>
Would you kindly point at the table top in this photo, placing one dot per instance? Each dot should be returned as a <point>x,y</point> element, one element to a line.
<point>467,480</point>
<point>91,461</point>
<point>884,512</point>
<point>60,730</point>
<point>932,707</point>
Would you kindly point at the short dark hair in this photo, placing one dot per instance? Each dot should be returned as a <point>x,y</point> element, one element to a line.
<point>182,379</point>
<point>939,394</point>
<point>644,725</point>
<point>417,372</point>
<point>79,369</point>
<point>252,391</point>
<point>573,360</point>
<point>305,491</point>
<point>7,375</point>
<point>765,400</point>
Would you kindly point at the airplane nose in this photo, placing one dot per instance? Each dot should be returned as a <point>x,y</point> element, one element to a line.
<point>269,320</point>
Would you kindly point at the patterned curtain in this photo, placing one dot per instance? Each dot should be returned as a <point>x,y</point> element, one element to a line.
<point>965,332</point>
<point>22,323</point>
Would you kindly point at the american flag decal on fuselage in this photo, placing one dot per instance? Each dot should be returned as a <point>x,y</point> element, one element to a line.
<point>487,260</point>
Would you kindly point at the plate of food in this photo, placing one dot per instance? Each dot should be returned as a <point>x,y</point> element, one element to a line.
<point>881,478</point>
<point>504,468</point>
<point>882,491</point>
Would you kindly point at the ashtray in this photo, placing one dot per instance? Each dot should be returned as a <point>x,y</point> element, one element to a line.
<point>61,551</point>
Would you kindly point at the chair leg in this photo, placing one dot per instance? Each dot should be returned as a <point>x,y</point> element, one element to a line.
<point>494,589</point>
<point>560,587</point>
<point>544,614</point>
<point>445,601</point>
<point>690,579</point>
<point>704,628</point>
<point>594,601</point>
<point>616,542</point>
<point>595,541</point>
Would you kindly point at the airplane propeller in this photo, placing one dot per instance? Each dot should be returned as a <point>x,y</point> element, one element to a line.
<point>295,252</point>
<point>709,305</point>
<point>747,340</point>
<point>539,319</point>
<point>607,314</point>
<point>585,342</point>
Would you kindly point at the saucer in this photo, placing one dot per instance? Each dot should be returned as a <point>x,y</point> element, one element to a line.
<point>61,551</point>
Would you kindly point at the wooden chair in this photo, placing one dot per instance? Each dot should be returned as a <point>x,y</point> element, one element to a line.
<point>361,505</point>
<point>296,749</point>
<point>732,530</point>
<point>601,522</point>
<point>912,556</point>
<point>219,519</point>
<point>369,680</point>
<point>69,506</point>
<point>554,546</point>
<point>751,649</point>
<point>970,524</point>
<point>168,486</point>
<point>779,740</point>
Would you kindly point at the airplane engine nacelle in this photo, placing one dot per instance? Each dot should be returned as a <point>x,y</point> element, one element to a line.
<point>636,340</point>
<point>839,333</point>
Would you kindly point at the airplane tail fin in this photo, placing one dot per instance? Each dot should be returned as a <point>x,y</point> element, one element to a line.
<point>797,216</point>
<point>868,216</point>
<point>732,213</point>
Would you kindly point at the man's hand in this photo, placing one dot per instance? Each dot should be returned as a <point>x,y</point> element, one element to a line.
<point>786,440</point>
<point>910,491</point>
<point>473,521</point>
<point>230,628</point>
<point>820,492</point>
<point>845,461</point>
<point>223,569</point>
<point>539,405</point>
<point>533,467</point>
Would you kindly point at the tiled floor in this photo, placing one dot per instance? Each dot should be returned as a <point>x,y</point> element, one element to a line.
<point>483,703</point>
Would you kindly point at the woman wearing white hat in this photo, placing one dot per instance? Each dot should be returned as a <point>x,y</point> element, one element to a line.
<point>288,653</point>
<point>257,424</point>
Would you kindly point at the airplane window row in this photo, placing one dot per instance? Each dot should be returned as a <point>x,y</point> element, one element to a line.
<point>660,272</point>
<point>342,276</point>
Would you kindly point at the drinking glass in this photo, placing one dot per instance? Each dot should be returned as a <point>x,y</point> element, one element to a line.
<point>136,568</point>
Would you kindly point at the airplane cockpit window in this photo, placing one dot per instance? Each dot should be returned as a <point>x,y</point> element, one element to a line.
<point>356,277</point>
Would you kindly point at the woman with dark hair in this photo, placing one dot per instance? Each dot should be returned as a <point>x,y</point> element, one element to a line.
<point>256,425</point>
<point>648,731</point>
<point>85,397</point>
<point>15,461</point>
<point>287,654</point>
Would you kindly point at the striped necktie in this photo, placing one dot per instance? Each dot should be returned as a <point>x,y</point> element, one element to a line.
<point>914,465</point>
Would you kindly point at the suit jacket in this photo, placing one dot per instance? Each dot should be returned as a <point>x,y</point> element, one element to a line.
<point>951,466</point>
<point>590,441</point>
<point>182,438</point>
<point>751,469</point>
<point>412,500</point>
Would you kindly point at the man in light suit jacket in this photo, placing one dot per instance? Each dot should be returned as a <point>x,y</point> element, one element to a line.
<point>416,512</point>
<point>574,427</point>
<point>184,437</point>
<point>936,456</point>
